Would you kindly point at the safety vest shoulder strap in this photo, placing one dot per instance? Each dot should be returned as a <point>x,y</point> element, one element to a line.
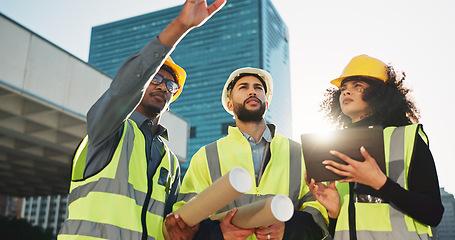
<point>399,143</point>
<point>396,155</point>
<point>213,161</point>
<point>295,172</point>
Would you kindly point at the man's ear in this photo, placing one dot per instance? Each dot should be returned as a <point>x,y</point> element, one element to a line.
<point>230,106</point>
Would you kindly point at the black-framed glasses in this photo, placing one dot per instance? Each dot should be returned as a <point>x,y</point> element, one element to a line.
<point>171,86</point>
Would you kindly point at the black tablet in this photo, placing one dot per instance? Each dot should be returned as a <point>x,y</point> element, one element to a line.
<point>316,149</point>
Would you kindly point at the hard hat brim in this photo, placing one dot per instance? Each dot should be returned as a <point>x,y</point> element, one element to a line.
<point>179,73</point>
<point>337,82</point>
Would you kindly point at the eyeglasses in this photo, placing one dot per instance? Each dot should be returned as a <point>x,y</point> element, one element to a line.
<point>171,86</point>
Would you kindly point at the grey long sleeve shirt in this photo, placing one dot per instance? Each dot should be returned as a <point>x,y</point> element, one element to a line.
<point>106,117</point>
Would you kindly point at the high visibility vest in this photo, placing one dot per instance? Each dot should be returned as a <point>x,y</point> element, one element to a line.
<point>282,175</point>
<point>384,220</point>
<point>109,204</point>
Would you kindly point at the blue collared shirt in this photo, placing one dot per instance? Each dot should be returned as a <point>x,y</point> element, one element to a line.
<point>258,149</point>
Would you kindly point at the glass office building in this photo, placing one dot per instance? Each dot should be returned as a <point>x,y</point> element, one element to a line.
<point>245,33</point>
<point>446,228</point>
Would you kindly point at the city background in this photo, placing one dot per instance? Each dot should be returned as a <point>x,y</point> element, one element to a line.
<point>415,35</point>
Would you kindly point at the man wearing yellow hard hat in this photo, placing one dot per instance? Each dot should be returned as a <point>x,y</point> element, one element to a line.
<point>124,178</point>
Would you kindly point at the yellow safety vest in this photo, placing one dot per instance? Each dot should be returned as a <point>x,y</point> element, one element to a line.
<point>282,175</point>
<point>109,204</point>
<point>383,220</point>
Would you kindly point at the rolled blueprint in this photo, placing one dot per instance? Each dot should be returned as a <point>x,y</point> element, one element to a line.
<point>223,191</point>
<point>265,212</point>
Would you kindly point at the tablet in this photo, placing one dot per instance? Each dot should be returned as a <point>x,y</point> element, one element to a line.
<point>348,141</point>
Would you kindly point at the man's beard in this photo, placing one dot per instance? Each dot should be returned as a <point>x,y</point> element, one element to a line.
<point>153,109</point>
<point>246,115</point>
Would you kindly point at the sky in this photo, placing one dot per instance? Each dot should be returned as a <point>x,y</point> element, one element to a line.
<point>416,36</point>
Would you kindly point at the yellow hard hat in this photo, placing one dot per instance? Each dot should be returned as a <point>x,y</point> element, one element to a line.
<point>363,65</point>
<point>261,73</point>
<point>180,74</point>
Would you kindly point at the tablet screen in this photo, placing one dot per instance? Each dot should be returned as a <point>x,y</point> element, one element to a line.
<point>348,141</point>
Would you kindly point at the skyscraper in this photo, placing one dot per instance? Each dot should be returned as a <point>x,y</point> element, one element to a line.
<point>446,229</point>
<point>245,33</point>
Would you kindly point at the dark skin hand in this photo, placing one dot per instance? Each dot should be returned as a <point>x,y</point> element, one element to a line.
<point>232,232</point>
<point>326,195</point>
<point>274,231</point>
<point>367,172</point>
<point>177,228</point>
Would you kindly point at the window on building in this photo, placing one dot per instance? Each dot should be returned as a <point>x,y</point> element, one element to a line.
<point>192,132</point>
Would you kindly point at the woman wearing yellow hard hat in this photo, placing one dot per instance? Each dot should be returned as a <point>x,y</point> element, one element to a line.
<point>404,202</point>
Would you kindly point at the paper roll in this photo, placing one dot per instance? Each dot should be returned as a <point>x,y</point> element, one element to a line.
<point>223,191</point>
<point>265,212</point>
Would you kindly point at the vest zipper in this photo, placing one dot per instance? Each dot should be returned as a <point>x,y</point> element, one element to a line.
<point>150,172</point>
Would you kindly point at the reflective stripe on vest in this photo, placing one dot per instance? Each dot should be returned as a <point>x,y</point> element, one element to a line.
<point>382,220</point>
<point>294,176</point>
<point>108,231</point>
<point>124,182</point>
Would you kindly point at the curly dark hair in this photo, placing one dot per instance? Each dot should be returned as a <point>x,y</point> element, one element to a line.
<point>390,104</point>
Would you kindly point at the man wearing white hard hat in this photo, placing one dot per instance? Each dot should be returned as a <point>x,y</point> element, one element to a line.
<point>273,161</point>
<point>124,178</point>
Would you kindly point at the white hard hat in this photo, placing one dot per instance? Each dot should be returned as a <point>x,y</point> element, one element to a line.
<point>261,73</point>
